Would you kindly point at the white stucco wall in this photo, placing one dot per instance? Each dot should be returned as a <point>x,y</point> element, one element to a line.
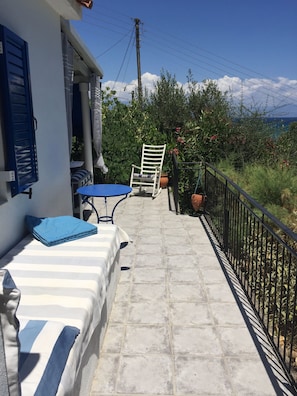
<point>37,23</point>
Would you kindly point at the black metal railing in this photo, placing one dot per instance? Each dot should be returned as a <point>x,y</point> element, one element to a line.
<point>188,172</point>
<point>262,253</point>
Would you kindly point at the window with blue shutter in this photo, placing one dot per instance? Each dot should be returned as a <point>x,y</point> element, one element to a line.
<point>17,111</point>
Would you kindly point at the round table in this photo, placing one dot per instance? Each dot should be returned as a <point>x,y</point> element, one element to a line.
<point>104,191</point>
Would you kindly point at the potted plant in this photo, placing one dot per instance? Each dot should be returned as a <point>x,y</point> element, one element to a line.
<point>197,201</point>
<point>164,179</point>
<point>198,197</point>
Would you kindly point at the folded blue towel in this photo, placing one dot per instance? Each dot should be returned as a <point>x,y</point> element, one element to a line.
<point>55,230</point>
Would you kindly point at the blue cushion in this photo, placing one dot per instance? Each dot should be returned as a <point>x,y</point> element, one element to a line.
<point>52,231</point>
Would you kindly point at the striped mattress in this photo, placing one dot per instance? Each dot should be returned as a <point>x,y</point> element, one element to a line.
<point>62,287</point>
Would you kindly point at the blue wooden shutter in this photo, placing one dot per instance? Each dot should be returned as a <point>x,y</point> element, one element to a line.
<point>17,111</point>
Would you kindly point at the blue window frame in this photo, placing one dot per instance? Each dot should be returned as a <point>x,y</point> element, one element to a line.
<point>17,111</point>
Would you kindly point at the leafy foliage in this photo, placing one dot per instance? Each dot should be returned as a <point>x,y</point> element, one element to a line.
<point>126,127</point>
<point>287,146</point>
<point>269,185</point>
<point>197,122</point>
<point>168,104</point>
<point>274,187</point>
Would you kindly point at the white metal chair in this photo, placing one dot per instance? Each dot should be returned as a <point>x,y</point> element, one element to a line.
<point>148,174</point>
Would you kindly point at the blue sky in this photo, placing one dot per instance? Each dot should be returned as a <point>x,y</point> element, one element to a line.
<point>248,48</point>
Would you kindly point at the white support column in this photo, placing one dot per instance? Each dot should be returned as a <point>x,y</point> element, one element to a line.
<point>87,133</point>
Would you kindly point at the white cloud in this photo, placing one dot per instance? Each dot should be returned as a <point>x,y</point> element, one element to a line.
<point>124,90</point>
<point>279,95</point>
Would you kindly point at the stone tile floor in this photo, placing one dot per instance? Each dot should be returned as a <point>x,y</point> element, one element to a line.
<point>180,323</point>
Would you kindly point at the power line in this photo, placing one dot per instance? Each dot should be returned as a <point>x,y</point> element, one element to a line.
<point>111,47</point>
<point>186,52</point>
<point>194,59</point>
<point>125,55</point>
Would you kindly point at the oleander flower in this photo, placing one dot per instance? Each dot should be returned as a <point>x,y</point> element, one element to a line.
<point>175,150</point>
<point>213,137</point>
<point>180,140</point>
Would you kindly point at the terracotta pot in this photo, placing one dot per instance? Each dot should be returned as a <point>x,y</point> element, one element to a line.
<point>164,179</point>
<point>197,201</point>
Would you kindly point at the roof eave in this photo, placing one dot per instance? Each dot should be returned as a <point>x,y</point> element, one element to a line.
<point>81,49</point>
<point>68,9</point>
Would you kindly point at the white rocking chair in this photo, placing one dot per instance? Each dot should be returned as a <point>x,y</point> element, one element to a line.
<point>148,174</point>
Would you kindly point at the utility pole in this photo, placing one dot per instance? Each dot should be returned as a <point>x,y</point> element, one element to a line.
<point>137,22</point>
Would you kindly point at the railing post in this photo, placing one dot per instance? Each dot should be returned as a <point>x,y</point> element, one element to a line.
<point>226,229</point>
<point>225,222</point>
<point>175,181</point>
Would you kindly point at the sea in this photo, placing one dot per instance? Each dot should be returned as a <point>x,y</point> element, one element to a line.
<point>280,124</point>
<point>282,121</point>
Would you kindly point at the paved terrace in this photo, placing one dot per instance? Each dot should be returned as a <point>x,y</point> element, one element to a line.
<point>180,324</point>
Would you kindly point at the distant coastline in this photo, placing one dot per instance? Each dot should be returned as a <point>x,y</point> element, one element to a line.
<point>285,121</point>
<point>280,124</point>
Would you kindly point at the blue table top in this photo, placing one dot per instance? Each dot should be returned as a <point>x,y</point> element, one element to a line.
<point>104,190</point>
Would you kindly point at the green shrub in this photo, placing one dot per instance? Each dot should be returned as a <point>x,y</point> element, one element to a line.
<point>227,167</point>
<point>126,127</point>
<point>268,184</point>
<point>287,146</point>
<point>201,124</point>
